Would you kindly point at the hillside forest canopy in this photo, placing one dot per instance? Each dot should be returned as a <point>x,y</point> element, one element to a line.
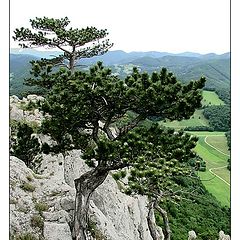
<point>83,108</point>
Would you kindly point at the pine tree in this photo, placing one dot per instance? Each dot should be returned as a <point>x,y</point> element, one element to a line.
<point>156,171</point>
<point>27,145</point>
<point>74,43</point>
<point>83,109</point>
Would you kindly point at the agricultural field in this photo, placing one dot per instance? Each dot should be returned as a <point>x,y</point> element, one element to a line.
<point>218,142</point>
<point>211,98</point>
<point>196,120</point>
<point>212,148</point>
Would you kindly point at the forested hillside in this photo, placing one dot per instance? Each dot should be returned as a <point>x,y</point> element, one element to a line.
<point>217,71</point>
<point>19,70</point>
<point>219,117</point>
<point>186,66</point>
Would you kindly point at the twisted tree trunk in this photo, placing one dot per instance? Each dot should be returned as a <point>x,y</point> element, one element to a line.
<point>155,231</point>
<point>153,228</point>
<point>167,231</point>
<point>85,186</point>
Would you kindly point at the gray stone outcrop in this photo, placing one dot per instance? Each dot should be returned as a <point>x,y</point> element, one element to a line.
<point>222,236</point>
<point>116,215</point>
<point>18,113</point>
<point>56,231</point>
<point>192,235</point>
<point>24,200</point>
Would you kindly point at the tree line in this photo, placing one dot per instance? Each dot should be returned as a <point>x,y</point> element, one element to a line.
<point>218,117</point>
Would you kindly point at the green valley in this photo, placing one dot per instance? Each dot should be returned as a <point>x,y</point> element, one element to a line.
<point>212,148</point>
<point>196,120</point>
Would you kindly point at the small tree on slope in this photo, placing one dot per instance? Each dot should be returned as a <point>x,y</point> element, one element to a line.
<point>83,107</point>
<point>156,172</point>
<point>26,146</point>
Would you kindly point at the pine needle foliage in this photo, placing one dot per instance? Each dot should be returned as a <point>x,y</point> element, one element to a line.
<point>83,111</point>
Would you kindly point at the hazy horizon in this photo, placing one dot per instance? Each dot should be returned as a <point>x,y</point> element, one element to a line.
<point>113,50</point>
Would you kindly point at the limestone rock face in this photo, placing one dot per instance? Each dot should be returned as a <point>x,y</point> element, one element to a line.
<point>18,113</point>
<point>34,98</point>
<point>14,99</point>
<point>125,216</point>
<point>30,191</point>
<point>115,215</point>
<point>57,231</point>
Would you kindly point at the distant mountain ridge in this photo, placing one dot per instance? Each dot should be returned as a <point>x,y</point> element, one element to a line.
<point>119,56</point>
<point>186,66</point>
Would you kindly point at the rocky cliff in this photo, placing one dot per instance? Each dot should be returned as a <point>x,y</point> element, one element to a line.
<point>42,202</point>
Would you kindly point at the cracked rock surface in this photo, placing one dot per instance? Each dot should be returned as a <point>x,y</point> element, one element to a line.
<point>116,215</point>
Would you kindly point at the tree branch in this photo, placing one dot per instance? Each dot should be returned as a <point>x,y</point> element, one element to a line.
<point>106,128</point>
<point>61,48</point>
<point>123,130</point>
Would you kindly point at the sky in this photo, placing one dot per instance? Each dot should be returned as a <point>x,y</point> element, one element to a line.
<point>176,26</point>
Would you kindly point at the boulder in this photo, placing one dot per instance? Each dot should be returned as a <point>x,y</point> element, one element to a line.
<point>192,235</point>
<point>34,98</point>
<point>14,99</point>
<point>56,231</point>
<point>222,236</point>
<point>16,113</point>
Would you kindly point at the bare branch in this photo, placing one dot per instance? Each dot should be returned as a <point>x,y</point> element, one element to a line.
<point>131,125</point>
<point>104,100</point>
<point>106,128</point>
<point>61,48</point>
